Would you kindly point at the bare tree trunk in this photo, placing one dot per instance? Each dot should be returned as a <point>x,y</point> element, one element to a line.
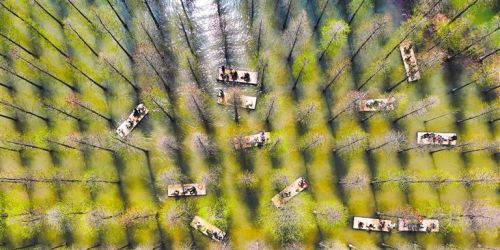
<point>391,88</point>
<point>33,54</point>
<point>252,12</point>
<point>289,58</point>
<point>335,78</point>
<point>270,110</point>
<point>414,27</point>
<point>462,12</point>
<point>154,45</point>
<point>165,84</point>
<point>473,43</point>
<point>476,116</point>
<point>150,11</point>
<point>349,144</point>
<point>50,14</point>
<point>492,88</point>
<point>61,144</point>
<point>35,29</point>
<point>49,74</point>
<point>484,57</point>
<point>406,115</point>
<point>119,18</point>
<point>6,86</point>
<point>52,107</point>
<point>186,15</point>
<point>94,112</point>
<point>321,15</point>
<point>186,36</point>
<point>373,75</point>
<point>8,117</point>
<point>326,49</point>
<point>222,26</point>
<point>193,73</point>
<point>262,87</point>
<point>23,110</point>
<point>105,89</point>
<point>298,78</point>
<point>115,39</point>
<point>122,75</point>
<point>259,38</point>
<point>461,87</point>
<point>30,146</point>
<point>83,40</point>
<point>365,42</point>
<point>355,12</point>
<point>287,15</point>
<point>38,86</point>
<point>172,119</point>
<point>81,13</point>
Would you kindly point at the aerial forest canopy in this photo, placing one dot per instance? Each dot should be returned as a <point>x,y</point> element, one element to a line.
<point>249,124</point>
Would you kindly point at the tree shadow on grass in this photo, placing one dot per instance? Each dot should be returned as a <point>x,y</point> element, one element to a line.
<point>251,197</point>
<point>246,160</point>
<point>338,168</point>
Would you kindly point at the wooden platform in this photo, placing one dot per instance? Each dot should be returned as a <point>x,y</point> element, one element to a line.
<point>250,141</point>
<point>372,224</point>
<point>410,61</point>
<point>425,225</point>
<point>193,189</point>
<point>208,229</point>
<point>374,105</point>
<point>289,192</point>
<point>436,138</point>
<point>239,79</point>
<point>128,125</point>
<point>247,102</point>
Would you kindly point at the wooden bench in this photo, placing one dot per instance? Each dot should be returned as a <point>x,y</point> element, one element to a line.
<point>289,192</point>
<point>250,141</point>
<point>133,119</point>
<point>372,224</point>
<point>436,138</point>
<point>208,229</point>
<point>425,225</point>
<point>227,77</point>
<point>193,189</point>
<point>410,61</point>
<point>373,105</point>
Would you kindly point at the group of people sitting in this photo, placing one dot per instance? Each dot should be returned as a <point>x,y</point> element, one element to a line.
<point>408,59</point>
<point>229,74</point>
<point>139,111</point>
<point>437,139</point>
<point>210,233</point>
<point>302,184</point>
<point>371,226</point>
<point>190,190</point>
<point>417,226</point>
<point>261,139</point>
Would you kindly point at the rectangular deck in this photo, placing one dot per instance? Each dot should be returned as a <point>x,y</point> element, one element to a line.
<point>247,102</point>
<point>372,224</point>
<point>410,61</point>
<point>250,141</point>
<point>436,138</point>
<point>133,119</point>
<point>239,79</point>
<point>193,189</point>
<point>425,225</point>
<point>374,105</point>
<point>289,192</point>
<point>208,229</point>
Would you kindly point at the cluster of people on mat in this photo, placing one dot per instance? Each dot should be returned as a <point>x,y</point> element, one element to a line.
<point>229,74</point>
